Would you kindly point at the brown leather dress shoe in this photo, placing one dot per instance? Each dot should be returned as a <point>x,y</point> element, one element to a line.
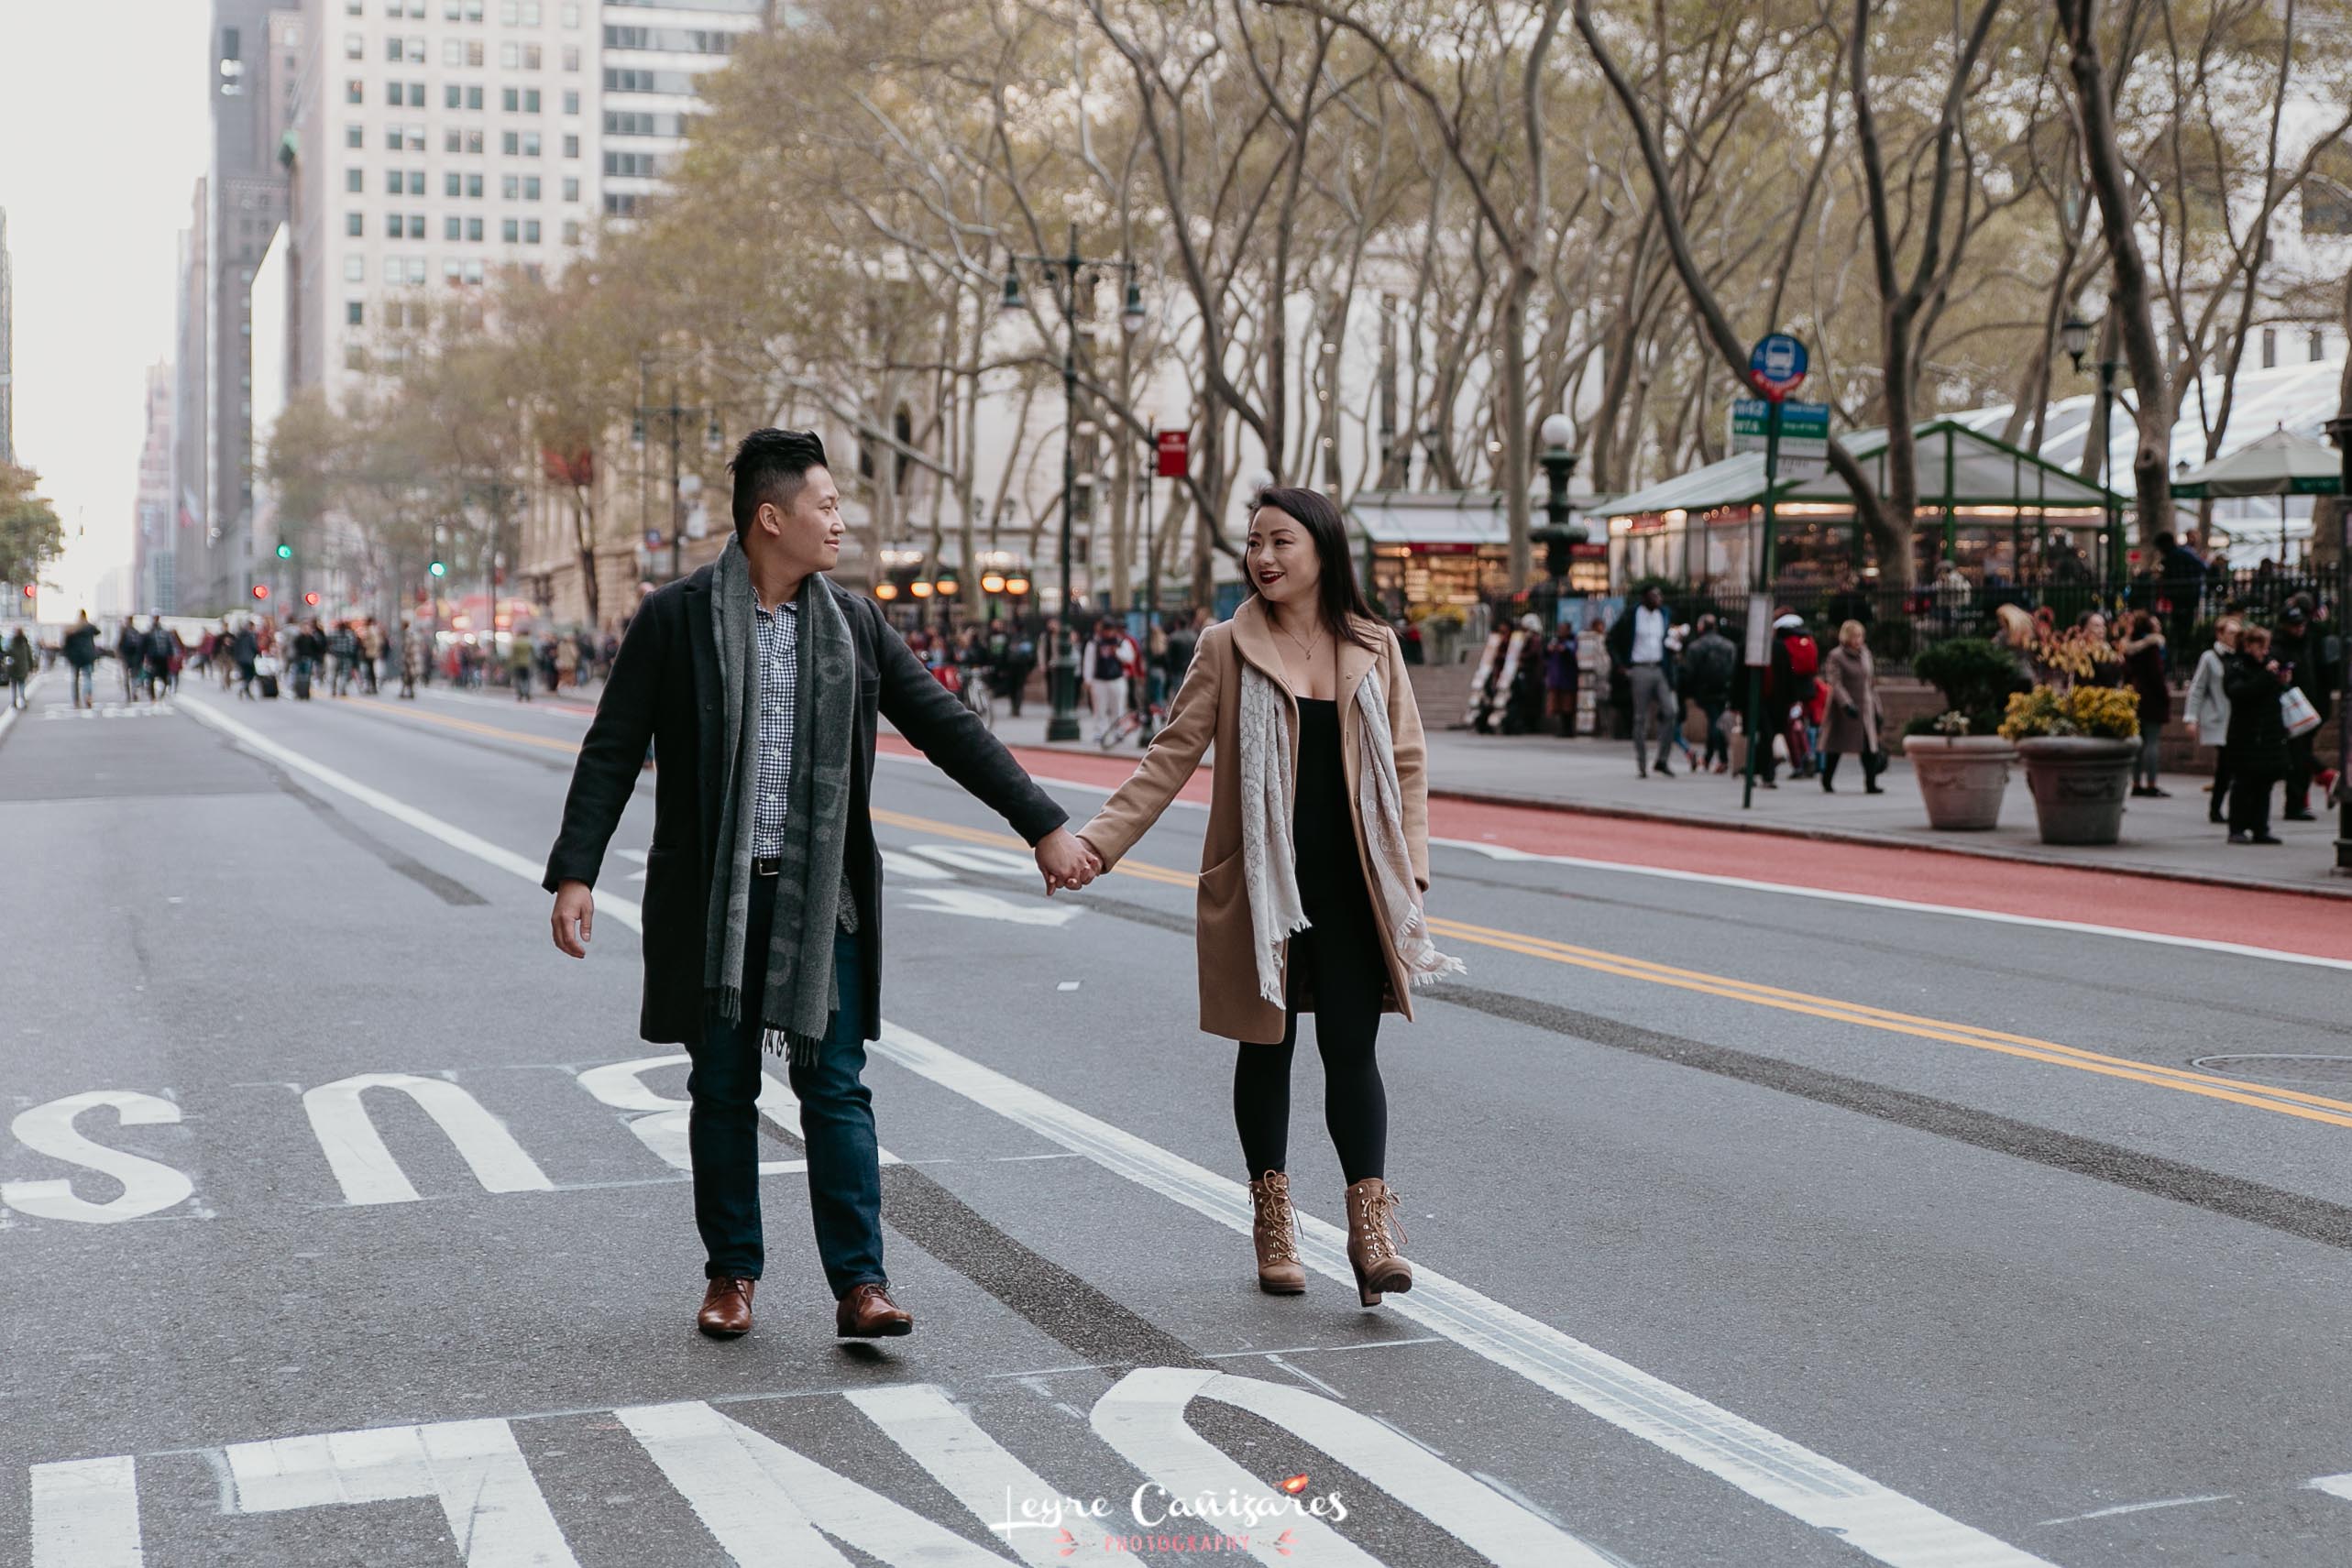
<point>868,1312</point>
<point>726,1308</point>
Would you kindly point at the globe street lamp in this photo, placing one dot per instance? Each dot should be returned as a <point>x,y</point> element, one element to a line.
<point>1063,272</point>
<point>1558,536</point>
<point>2075,335</point>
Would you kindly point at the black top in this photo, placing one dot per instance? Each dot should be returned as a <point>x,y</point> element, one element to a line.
<point>1322,830</point>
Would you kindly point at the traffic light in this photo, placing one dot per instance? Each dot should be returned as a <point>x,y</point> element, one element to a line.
<point>285,551</point>
<point>31,590</point>
<point>439,569</point>
<point>261,590</point>
<point>311,599</point>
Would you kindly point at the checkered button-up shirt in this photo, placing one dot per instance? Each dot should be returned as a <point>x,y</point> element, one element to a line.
<point>779,634</point>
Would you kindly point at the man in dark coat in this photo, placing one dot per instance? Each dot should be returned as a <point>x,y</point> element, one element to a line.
<point>2303,652</point>
<point>666,686</point>
<point>2257,734</point>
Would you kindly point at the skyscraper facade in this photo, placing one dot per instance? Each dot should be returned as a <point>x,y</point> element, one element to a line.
<point>7,351</point>
<point>154,558</point>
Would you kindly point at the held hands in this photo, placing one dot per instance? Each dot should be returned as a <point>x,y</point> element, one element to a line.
<point>574,919</point>
<point>1066,861</point>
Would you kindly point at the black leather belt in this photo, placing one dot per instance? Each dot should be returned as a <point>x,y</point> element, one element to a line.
<point>766,865</point>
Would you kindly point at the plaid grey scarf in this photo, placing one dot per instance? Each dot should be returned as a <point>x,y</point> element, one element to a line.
<point>801,997</point>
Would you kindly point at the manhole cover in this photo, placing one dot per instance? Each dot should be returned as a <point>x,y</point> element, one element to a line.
<point>2281,1069</point>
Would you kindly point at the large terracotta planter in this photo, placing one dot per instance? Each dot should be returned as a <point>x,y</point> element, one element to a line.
<point>1962,779</point>
<point>2080,785</point>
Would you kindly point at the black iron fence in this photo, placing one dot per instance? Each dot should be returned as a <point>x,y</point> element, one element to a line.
<point>1898,623</point>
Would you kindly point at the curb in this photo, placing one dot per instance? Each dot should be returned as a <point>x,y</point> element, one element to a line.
<point>1895,841</point>
<point>2323,892</point>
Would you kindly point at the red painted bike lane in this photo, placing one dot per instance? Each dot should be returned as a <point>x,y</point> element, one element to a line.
<point>2288,921</point>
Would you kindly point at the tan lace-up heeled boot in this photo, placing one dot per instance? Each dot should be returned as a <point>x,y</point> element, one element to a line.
<point>1276,1234</point>
<point>1371,1213</point>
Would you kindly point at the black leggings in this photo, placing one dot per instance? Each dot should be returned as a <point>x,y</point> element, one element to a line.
<point>1340,964</point>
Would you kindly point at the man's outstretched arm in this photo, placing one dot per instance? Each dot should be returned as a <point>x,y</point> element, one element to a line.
<point>603,779</point>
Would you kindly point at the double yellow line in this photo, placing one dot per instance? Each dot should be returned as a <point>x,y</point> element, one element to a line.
<point>2285,1101</point>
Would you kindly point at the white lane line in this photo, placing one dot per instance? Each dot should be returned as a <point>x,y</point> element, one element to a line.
<point>923,1419</point>
<point>85,1514</point>
<point>474,1468</point>
<point>1827,895</point>
<point>9,714</point>
<point>2334,1485</point>
<point>1874,1518</point>
<point>2144,1508</point>
<point>606,903</point>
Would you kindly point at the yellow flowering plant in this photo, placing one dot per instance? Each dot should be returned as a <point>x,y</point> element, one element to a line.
<point>2103,713</point>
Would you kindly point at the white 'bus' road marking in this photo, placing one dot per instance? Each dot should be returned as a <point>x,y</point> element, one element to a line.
<point>1874,1518</point>
<point>85,1514</point>
<point>147,1187</point>
<point>1830,895</point>
<point>495,1508</point>
<point>621,1085</point>
<point>368,1173</point>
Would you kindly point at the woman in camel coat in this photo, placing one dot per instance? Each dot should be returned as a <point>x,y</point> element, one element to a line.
<point>1315,859</point>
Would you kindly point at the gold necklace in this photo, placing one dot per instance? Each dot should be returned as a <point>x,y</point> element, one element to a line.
<point>1294,636</point>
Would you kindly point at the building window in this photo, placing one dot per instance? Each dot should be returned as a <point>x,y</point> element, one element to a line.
<point>510,55</point>
<point>571,145</point>
<point>354,47</point>
<point>530,56</point>
<point>393,271</point>
<point>416,181</point>
<point>474,186</point>
<point>512,99</point>
<point>353,179</point>
<point>510,186</point>
<point>394,94</point>
<point>571,57</point>
<point>453,51</point>
<point>355,91</point>
<point>531,231</point>
<point>634,165</point>
<point>571,188</point>
<point>618,204</point>
<point>571,15</point>
<point>394,139</point>
<point>452,227</point>
<point>531,144</point>
<point>509,12</point>
<point>353,313</point>
<point>2269,348</point>
<point>571,230</point>
<point>394,225</point>
<point>2318,341</point>
<point>474,231</point>
<point>510,143</point>
<point>394,51</point>
<point>511,231</point>
<point>353,224</point>
<point>452,182</point>
<point>353,135</point>
<point>571,102</point>
<point>355,270</point>
<point>352,7</point>
<point>396,184</point>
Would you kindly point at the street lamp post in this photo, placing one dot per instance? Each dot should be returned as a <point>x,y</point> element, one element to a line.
<point>2076,336</point>
<point>1557,536</point>
<point>2339,430</point>
<point>1064,271</point>
<point>676,414</point>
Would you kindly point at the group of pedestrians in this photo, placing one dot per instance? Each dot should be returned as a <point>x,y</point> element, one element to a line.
<point>2261,696</point>
<point>758,684</point>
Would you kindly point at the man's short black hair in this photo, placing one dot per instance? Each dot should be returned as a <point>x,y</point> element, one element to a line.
<point>770,466</point>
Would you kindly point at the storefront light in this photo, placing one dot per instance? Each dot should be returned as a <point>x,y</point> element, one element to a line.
<point>991,582</point>
<point>919,588</point>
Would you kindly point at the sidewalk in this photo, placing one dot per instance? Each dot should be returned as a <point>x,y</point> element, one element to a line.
<point>2160,837</point>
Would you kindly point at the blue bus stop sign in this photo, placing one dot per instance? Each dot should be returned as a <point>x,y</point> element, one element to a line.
<point>1776,364</point>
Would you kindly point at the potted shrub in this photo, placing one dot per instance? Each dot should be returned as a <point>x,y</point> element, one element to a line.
<point>2078,745</point>
<point>1961,764</point>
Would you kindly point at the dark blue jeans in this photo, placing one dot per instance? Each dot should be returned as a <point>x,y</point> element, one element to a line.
<point>835,1124</point>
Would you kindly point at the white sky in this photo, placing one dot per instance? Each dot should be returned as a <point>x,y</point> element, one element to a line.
<point>104,130</point>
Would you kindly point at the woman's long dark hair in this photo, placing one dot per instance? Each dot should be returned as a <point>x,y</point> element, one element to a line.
<point>1340,596</point>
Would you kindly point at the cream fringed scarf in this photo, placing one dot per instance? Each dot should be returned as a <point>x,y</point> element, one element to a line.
<point>1269,871</point>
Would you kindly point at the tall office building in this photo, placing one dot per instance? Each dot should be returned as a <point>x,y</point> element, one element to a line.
<point>153,557</point>
<point>7,351</point>
<point>191,475</point>
<point>653,55</point>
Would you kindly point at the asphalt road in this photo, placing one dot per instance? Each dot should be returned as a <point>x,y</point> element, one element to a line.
<point>343,1220</point>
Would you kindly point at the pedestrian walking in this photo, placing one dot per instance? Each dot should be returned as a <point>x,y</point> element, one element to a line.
<point>1559,680</point>
<point>1708,667</point>
<point>1110,663</point>
<point>520,659</point>
<point>1638,643</point>
<point>371,654</point>
<point>2143,667</point>
<point>130,652</point>
<point>343,659</point>
<point>2303,652</point>
<point>2257,734</point>
<point>80,648</point>
<point>1790,678</point>
<point>163,653</point>
<point>2207,709</point>
<point>17,659</point>
<point>1314,867</point>
<point>411,659</point>
<point>1855,720</point>
<point>758,682</point>
<point>244,654</point>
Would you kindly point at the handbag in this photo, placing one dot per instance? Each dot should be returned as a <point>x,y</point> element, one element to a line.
<point>2296,709</point>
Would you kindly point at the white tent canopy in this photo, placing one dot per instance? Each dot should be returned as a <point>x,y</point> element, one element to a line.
<point>2279,464</point>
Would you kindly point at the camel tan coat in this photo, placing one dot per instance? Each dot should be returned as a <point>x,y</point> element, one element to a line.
<point>1208,710</point>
